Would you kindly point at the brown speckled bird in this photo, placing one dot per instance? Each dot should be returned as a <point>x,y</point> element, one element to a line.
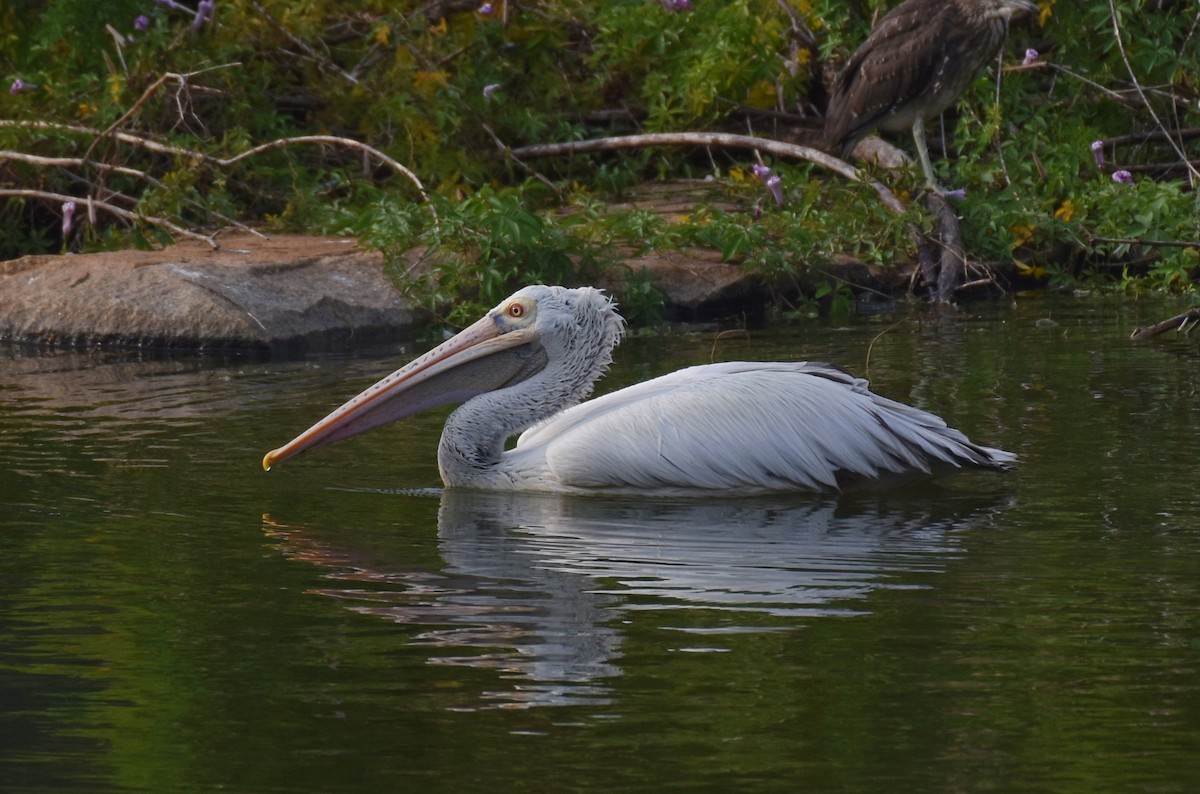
<point>916,63</point>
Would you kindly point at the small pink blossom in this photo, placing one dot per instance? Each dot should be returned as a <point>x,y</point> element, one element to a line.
<point>20,85</point>
<point>1098,152</point>
<point>1123,177</point>
<point>775,185</point>
<point>68,209</point>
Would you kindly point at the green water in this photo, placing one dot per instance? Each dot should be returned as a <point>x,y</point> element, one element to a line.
<point>174,619</point>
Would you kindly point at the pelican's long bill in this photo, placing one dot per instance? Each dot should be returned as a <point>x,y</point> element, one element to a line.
<point>483,357</point>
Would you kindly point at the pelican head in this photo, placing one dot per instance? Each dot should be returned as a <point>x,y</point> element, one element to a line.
<point>559,341</point>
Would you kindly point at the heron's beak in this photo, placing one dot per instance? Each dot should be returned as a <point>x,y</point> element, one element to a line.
<point>462,367</point>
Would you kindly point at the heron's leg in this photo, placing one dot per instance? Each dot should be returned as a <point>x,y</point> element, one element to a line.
<point>918,131</point>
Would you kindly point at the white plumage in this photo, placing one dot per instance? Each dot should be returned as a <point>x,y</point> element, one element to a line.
<point>731,427</point>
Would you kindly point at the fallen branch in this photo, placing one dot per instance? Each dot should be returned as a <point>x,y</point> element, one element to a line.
<point>727,140</point>
<point>1183,322</point>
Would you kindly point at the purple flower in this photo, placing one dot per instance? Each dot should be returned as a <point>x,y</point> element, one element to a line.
<point>760,171</point>
<point>17,87</point>
<point>171,4</point>
<point>68,209</point>
<point>1098,152</point>
<point>487,9</point>
<point>204,11</point>
<point>142,22</point>
<point>490,89</point>
<point>960,194</point>
<point>1031,56</point>
<point>676,5</point>
<point>775,185</point>
<point>1123,177</point>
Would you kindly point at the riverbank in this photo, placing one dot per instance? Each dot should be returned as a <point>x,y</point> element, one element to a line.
<point>282,293</point>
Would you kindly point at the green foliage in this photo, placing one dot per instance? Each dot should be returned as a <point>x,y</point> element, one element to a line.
<point>409,79</point>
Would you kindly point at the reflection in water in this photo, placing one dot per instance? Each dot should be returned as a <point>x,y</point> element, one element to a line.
<point>534,585</point>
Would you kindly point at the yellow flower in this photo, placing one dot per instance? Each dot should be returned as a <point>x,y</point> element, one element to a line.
<point>1065,210</point>
<point>1022,234</point>
<point>1031,271</point>
<point>1047,7</point>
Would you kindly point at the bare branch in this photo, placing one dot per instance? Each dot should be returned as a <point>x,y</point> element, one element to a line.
<point>1184,322</point>
<point>177,151</point>
<point>720,139</point>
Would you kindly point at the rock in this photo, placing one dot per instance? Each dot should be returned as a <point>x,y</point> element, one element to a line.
<point>697,284</point>
<point>284,292</point>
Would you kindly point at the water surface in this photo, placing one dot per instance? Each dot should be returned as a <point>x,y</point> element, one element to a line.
<point>174,619</point>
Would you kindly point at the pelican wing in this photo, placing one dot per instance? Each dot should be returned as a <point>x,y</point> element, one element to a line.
<point>748,425</point>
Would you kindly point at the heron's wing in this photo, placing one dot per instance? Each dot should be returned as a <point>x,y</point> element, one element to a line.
<point>906,55</point>
<point>745,425</point>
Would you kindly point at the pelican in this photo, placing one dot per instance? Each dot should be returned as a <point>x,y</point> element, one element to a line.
<point>733,427</point>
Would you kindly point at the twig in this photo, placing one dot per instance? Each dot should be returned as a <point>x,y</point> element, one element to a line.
<point>330,139</point>
<point>68,162</point>
<point>507,151</point>
<point>109,208</point>
<point>876,338</point>
<point>776,148</point>
<point>145,97</point>
<point>1153,135</point>
<point>1147,243</point>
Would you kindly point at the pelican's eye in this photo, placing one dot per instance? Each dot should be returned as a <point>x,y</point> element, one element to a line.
<point>516,310</point>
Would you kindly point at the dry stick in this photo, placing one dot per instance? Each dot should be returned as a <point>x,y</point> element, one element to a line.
<point>777,148</point>
<point>878,336</point>
<point>1179,321</point>
<point>66,162</point>
<point>145,97</point>
<point>1153,135</point>
<point>1147,243</point>
<point>507,151</point>
<point>109,208</point>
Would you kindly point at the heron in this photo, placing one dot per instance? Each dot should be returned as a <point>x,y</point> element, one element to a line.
<point>914,65</point>
<point>733,427</point>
